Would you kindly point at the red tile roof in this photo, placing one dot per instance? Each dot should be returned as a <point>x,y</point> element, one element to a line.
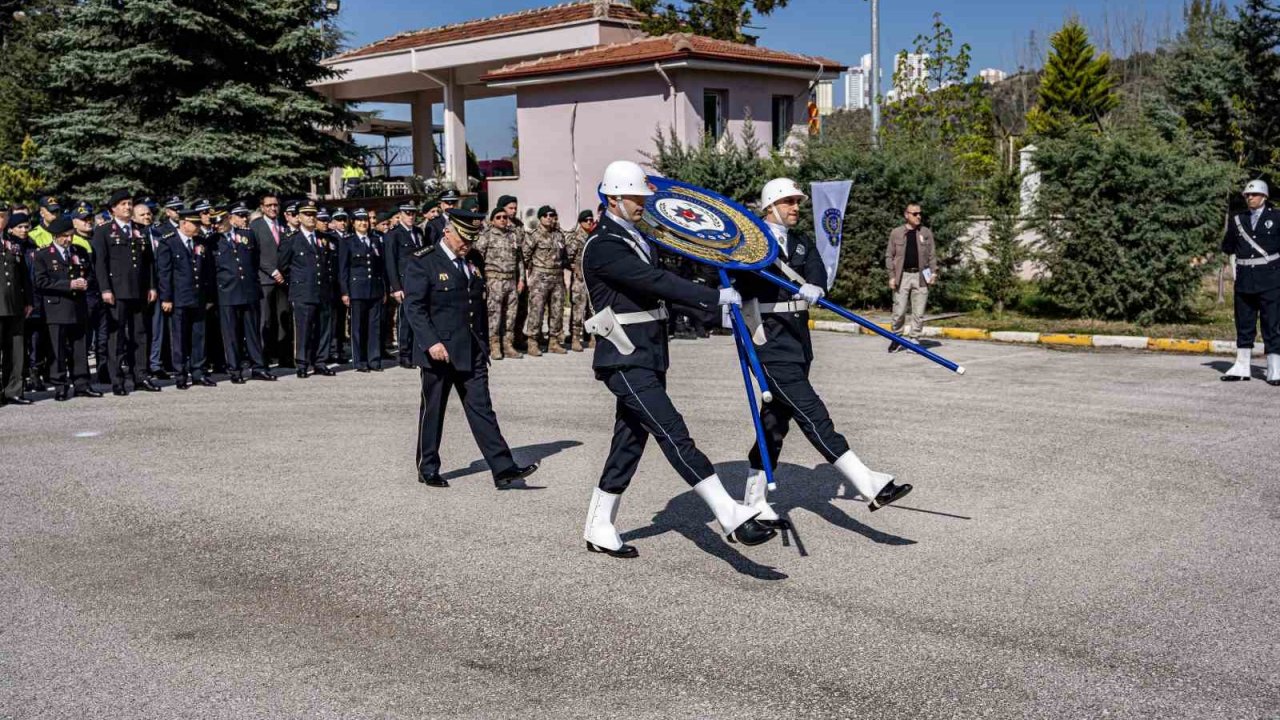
<point>678,46</point>
<point>500,25</point>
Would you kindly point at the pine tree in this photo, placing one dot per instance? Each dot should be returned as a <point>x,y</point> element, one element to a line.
<point>23,69</point>
<point>191,96</point>
<point>1203,74</point>
<point>722,19</point>
<point>1257,41</point>
<point>1076,87</point>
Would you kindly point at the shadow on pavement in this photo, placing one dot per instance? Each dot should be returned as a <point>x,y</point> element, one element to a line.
<point>527,454</point>
<point>686,514</point>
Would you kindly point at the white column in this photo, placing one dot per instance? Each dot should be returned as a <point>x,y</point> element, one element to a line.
<point>455,134</point>
<point>424,146</point>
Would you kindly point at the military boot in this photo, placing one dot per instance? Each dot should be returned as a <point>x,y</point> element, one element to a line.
<point>554,346</point>
<point>591,343</point>
<point>509,350</point>
<point>495,351</point>
<point>576,344</point>
<point>531,347</point>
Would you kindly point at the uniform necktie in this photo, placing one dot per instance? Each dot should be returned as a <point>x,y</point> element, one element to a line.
<point>462,265</point>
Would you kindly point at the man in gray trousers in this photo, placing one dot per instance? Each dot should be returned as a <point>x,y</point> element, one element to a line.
<point>913,267</point>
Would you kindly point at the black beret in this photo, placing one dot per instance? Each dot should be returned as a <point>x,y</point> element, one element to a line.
<point>386,215</point>
<point>506,200</point>
<point>118,197</point>
<point>496,212</point>
<point>19,218</point>
<point>546,210</point>
<point>585,215</point>
<point>61,225</point>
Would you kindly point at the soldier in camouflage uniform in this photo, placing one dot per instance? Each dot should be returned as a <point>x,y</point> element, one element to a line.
<point>575,243</point>
<point>544,262</point>
<point>499,246</point>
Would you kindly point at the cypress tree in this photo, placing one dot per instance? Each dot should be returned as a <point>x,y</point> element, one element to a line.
<point>1076,86</point>
<point>1257,42</point>
<point>205,97</point>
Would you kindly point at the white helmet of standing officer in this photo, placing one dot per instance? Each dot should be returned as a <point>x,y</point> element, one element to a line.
<point>1256,187</point>
<point>624,177</point>
<point>775,190</point>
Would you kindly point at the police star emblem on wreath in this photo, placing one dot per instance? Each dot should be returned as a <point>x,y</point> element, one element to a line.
<point>705,226</point>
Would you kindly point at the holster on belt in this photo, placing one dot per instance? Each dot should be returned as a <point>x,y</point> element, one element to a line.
<point>604,324</point>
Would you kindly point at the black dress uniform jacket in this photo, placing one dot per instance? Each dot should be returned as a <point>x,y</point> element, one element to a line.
<point>444,306</point>
<point>62,305</point>
<point>399,243</point>
<point>361,270</point>
<point>786,334</point>
<point>186,276</point>
<point>15,294</point>
<point>1255,278</point>
<point>236,260</point>
<point>621,277</point>
<point>306,267</point>
<point>123,261</point>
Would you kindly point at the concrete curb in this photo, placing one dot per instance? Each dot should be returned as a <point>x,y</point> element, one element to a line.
<point>1128,342</point>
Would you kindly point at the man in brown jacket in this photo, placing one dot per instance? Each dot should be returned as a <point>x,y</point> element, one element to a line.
<point>913,267</point>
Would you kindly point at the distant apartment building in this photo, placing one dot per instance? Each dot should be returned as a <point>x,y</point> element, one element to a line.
<point>910,75</point>
<point>991,76</point>
<point>857,86</point>
<point>824,95</point>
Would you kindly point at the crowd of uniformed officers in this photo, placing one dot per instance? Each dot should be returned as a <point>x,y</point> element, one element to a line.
<point>175,290</point>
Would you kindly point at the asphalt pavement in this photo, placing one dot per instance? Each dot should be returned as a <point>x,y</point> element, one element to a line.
<point>1090,534</point>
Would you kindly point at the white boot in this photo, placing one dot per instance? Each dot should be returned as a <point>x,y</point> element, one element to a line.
<point>728,513</point>
<point>755,494</point>
<point>1273,369</point>
<point>868,482</point>
<point>1243,368</point>
<point>600,530</point>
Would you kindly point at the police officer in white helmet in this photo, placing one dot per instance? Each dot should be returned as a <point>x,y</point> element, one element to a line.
<point>1253,237</point>
<point>779,326</point>
<point>627,295</point>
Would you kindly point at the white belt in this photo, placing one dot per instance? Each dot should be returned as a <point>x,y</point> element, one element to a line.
<point>643,316</point>
<point>1254,262</point>
<point>784,307</point>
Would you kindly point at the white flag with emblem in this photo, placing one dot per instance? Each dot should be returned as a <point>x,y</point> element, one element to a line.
<point>829,200</point>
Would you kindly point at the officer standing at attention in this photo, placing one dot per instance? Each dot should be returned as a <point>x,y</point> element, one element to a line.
<point>363,282</point>
<point>98,332</point>
<point>153,232</point>
<point>186,272</point>
<point>779,323</point>
<point>544,262</point>
<point>239,292</point>
<point>329,347</point>
<point>62,273</point>
<point>301,263</point>
<point>16,303</point>
<point>435,228</point>
<point>444,299</point>
<point>125,269</point>
<point>401,241</point>
<point>629,293</point>
<point>172,207</point>
<point>499,248</point>
<point>574,244</point>
<point>1253,237</point>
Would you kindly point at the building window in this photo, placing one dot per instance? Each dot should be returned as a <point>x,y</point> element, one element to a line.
<point>714,103</point>
<point>783,118</point>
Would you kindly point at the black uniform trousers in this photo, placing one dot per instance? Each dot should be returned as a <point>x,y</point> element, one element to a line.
<point>99,329</point>
<point>187,334</point>
<point>1248,307</point>
<point>306,334</point>
<point>473,389</point>
<point>242,337</point>
<point>70,354</point>
<point>130,337</point>
<point>215,348</point>
<point>339,323</point>
<point>404,335</point>
<point>324,332</point>
<point>644,409</point>
<point>795,399</point>
<point>366,333</point>
<point>39,346</point>
<point>277,324</point>
<point>13,355</point>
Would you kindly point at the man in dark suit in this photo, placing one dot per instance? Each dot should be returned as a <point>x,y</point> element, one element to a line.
<point>236,262</point>
<point>434,228</point>
<point>16,304</point>
<point>629,293</point>
<point>125,269</point>
<point>779,322</point>
<point>401,241</point>
<point>186,272</point>
<point>142,216</point>
<point>274,308</point>
<point>362,278</point>
<point>444,300</point>
<point>301,263</point>
<point>62,273</point>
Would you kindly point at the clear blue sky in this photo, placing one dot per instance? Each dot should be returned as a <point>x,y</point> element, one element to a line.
<point>997,30</point>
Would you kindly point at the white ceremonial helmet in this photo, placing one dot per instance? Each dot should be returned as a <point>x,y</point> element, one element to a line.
<point>777,189</point>
<point>1256,187</point>
<point>624,177</point>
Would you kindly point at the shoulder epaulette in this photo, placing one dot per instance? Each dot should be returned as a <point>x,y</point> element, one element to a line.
<point>425,251</point>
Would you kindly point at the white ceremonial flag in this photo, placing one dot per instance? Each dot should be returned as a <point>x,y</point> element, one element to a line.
<point>829,200</point>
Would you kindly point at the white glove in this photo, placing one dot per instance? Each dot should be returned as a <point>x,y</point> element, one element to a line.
<point>729,296</point>
<point>809,293</point>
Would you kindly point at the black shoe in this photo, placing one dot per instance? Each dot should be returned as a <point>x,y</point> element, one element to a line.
<point>303,373</point>
<point>35,384</point>
<point>433,480</point>
<point>504,479</point>
<point>752,532</point>
<point>325,370</point>
<point>262,375</point>
<point>18,401</point>
<point>207,381</point>
<point>148,385</point>
<point>184,382</point>
<point>62,393</point>
<point>119,391</point>
<point>894,347</point>
<point>1274,383</point>
<point>406,364</point>
<point>626,551</point>
<point>891,493</point>
<point>362,369</point>
<point>376,368</point>
<point>237,379</point>
<point>86,391</point>
<point>160,375</point>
